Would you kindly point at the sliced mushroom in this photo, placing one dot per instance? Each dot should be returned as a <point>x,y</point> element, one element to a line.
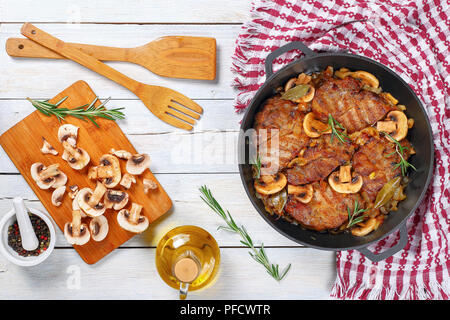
<point>73,191</point>
<point>122,154</point>
<point>132,220</point>
<point>302,193</point>
<point>97,195</point>
<point>270,184</point>
<point>116,199</point>
<point>365,227</point>
<point>290,84</point>
<point>47,148</point>
<point>75,231</point>
<point>303,78</point>
<point>60,180</point>
<point>396,125</point>
<point>366,77</point>
<point>36,169</point>
<point>83,197</point>
<point>45,177</point>
<point>149,185</point>
<point>69,133</point>
<point>109,170</point>
<point>99,228</point>
<point>308,96</point>
<point>58,195</point>
<point>76,157</point>
<point>314,128</point>
<point>127,180</point>
<point>138,163</point>
<point>353,186</point>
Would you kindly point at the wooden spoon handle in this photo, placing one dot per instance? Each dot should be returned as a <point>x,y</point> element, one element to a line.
<point>50,42</point>
<point>20,47</point>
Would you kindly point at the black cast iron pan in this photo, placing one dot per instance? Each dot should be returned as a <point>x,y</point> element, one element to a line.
<point>420,136</point>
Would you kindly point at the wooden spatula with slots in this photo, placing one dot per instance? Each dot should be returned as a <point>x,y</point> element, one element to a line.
<point>167,104</point>
<point>171,56</point>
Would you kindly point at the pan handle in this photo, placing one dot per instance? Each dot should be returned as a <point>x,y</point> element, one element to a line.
<point>286,48</point>
<point>391,251</point>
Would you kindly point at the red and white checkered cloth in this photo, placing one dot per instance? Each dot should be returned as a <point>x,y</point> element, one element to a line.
<point>413,39</point>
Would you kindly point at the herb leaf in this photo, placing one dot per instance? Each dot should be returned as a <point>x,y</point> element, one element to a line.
<point>259,255</point>
<point>337,130</point>
<point>257,165</point>
<point>399,149</point>
<point>357,216</point>
<point>296,92</point>
<point>80,112</point>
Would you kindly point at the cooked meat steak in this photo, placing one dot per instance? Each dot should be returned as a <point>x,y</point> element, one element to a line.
<point>372,162</point>
<point>307,162</point>
<point>319,159</point>
<point>284,136</point>
<point>348,103</point>
<point>277,114</point>
<point>326,210</point>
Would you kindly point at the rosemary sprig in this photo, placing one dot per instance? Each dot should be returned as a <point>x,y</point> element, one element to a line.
<point>258,255</point>
<point>399,149</point>
<point>84,112</point>
<point>337,130</point>
<point>257,165</point>
<point>357,216</point>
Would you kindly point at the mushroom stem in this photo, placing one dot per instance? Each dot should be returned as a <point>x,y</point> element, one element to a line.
<point>98,193</point>
<point>76,223</point>
<point>49,172</point>
<point>345,174</point>
<point>135,213</point>
<point>71,150</point>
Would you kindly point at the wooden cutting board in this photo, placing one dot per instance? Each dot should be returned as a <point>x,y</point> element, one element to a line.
<point>23,142</point>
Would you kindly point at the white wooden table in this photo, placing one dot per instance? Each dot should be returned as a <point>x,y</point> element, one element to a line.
<point>205,156</point>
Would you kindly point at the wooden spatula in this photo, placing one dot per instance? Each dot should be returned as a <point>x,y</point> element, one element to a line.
<point>171,56</point>
<point>167,104</point>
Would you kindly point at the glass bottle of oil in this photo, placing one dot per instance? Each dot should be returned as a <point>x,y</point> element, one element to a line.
<point>187,258</point>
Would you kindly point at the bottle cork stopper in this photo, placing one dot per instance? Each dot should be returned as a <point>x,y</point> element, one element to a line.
<point>186,270</point>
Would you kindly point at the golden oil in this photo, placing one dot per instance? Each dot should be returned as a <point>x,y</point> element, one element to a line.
<point>187,243</point>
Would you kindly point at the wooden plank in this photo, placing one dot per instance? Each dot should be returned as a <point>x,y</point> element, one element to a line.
<point>218,116</point>
<point>23,141</point>
<point>205,152</point>
<point>114,11</point>
<point>188,208</point>
<point>43,78</point>
<point>131,274</point>
<point>219,124</point>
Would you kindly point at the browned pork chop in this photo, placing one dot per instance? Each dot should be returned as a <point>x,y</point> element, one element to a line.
<point>372,162</point>
<point>319,159</point>
<point>326,210</point>
<point>348,103</point>
<point>284,136</point>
